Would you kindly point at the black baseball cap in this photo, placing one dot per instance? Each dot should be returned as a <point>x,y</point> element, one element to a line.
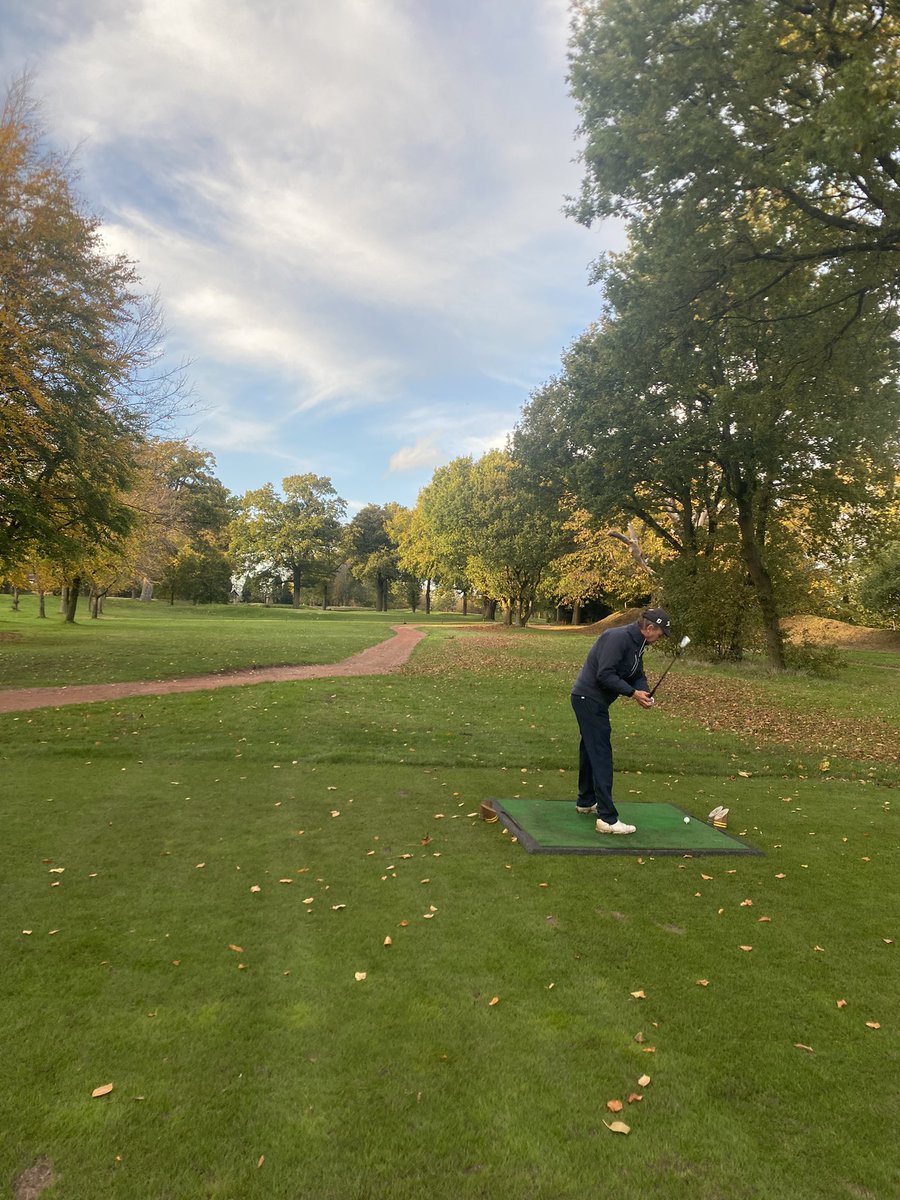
<point>657,616</point>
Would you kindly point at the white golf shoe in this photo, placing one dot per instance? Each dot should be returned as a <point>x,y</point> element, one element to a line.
<point>619,827</point>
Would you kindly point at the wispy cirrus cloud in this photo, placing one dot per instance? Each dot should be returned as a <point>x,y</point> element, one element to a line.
<point>352,211</point>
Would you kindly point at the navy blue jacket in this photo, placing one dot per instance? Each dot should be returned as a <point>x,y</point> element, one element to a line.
<point>614,667</point>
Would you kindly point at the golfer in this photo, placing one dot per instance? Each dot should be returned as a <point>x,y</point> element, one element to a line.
<point>614,667</point>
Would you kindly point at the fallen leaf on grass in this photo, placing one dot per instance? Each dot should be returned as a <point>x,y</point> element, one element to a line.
<point>800,1046</point>
<point>262,1159</point>
<point>103,1090</point>
<point>746,947</point>
<point>359,976</point>
<point>781,875</point>
<point>615,1105</point>
<point>285,881</point>
<point>493,1000</point>
<point>199,866</point>
<point>643,1081</point>
<point>821,949</point>
<point>746,904</point>
<point>388,941</point>
<point>744,774</point>
<point>337,907</point>
<point>639,995</point>
<point>309,900</point>
<point>237,949</point>
<point>841,1003</point>
<point>256,888</point>
<point>888,941</point>
<point>639,1038</point>
<point>706,877</point>
<point>617,1127</point>
<point>764,920</point>
<point>648,1049</point>
<point>634,1097</point>
<point>703,983</point>
<point>335,812</point>
<point>403,924</point>
<point>873,1024</point>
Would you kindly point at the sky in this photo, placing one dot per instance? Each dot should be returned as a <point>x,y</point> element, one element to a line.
<point>352,211</point>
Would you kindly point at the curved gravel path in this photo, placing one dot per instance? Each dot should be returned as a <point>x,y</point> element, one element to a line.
<point>387,656</point>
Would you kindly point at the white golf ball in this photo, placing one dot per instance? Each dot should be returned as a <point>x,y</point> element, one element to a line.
<point>687,820</point>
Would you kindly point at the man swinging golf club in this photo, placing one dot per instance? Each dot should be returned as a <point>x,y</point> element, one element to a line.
<point>614,667</point>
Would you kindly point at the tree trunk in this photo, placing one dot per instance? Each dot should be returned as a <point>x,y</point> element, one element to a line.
<point>146,588</point>
<point>95,604</point>
<point>42,612</point>
<point>295,599</point>
<point>576,613</point>
<point>507,614</point>
<point>72,599</point>
<point>63,599</point>
<point>465,599</point>
<point>489,610</point>
<point>324,596</point>
<point>427,597</point>
<point>15,599</point>
<point>751,552</point>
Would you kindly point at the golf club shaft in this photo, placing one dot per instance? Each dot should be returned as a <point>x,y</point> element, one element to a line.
<point>685,641</point>
<point>662,677</point>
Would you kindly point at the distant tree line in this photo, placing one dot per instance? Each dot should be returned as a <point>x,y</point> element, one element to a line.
<point>725,438</point>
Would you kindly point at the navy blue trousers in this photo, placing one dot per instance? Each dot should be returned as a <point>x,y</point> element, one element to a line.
<point>595,757</point>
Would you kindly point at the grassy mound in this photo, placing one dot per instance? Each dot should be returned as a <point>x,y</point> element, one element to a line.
<point>827,632</point>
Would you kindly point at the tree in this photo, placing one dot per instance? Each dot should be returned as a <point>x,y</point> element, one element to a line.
<point>297,534</point>
<point>768,110</point>
<point>371,551</point>
<point>179,503</point>
<point>515,533</point>
<point>199,572</point>
<point>445,505</point>
<point>595,567</point>
<point>880,588</point>
<point>417,555</point>
<point>79,355</point>
<point>749,354</point>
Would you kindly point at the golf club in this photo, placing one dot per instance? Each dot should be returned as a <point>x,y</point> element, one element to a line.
<point>685,641</point>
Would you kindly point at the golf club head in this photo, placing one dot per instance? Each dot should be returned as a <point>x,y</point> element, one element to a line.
<point>685,641</point>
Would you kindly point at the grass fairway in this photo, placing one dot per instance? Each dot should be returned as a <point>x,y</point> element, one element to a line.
<point>204,876</point>
<point>132,640</point>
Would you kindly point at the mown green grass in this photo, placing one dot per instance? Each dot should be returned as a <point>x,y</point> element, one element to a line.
<point>409,1083</point>
<point>134,640</point>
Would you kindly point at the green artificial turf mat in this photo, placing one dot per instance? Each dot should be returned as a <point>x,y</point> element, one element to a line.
<point>554,827</point>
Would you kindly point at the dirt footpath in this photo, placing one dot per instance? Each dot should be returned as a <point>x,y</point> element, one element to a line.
<point>387,656</point>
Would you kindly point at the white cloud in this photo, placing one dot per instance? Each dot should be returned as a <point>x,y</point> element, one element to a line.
<point>410,458</point>
<point>345,206</point>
